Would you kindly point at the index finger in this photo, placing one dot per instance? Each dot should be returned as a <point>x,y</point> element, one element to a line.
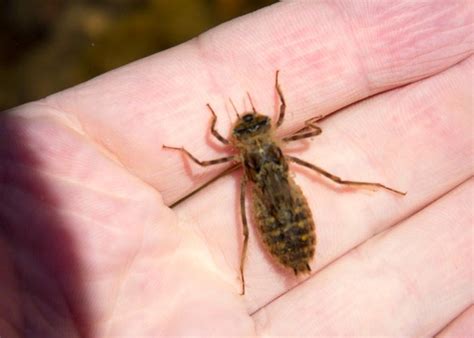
<point>330,54</point>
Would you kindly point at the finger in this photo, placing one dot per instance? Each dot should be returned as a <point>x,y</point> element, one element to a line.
<point>330,55</point>
<point>411,280</point>
<point>413,145</point>
<point>461,326</point>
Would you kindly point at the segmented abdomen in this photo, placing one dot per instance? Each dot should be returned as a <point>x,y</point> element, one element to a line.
<point>284,219</point>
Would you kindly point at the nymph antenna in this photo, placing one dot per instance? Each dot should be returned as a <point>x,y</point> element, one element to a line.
<point>235,109</point>
<point>251,102</point>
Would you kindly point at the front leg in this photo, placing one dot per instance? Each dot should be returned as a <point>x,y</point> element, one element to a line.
<point>309,130</point>
<point>213,127</point>
<point>281,115</point>
<point>203,163</point>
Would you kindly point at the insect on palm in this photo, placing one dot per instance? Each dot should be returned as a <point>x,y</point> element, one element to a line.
<point>282,214</point>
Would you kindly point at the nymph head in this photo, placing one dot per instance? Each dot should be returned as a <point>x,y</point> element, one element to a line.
<point>250,125</point>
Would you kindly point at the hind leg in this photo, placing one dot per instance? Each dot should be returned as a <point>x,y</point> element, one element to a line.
<point>243,185</point>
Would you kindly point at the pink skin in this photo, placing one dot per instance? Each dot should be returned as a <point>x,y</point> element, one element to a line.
<point>90,248</point>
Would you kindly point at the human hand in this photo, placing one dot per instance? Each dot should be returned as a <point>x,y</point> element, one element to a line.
<point>89,246</point>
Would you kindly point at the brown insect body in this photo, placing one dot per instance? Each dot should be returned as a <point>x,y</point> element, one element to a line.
<point>280,209</point>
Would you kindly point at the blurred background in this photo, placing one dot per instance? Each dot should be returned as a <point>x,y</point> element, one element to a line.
<point>49,45</point>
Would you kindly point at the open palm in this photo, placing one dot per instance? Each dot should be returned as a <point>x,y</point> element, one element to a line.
<point>90,248</point>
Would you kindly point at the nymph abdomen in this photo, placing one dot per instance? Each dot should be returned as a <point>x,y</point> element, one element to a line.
<point>284,220</point>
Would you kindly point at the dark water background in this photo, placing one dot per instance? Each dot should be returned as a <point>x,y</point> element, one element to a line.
<point>49,45</point>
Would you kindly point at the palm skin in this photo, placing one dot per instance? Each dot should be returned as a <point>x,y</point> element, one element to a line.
<point>90,248</point>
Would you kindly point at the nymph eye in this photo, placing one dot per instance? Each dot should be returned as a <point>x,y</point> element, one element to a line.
<point>248,117</point>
